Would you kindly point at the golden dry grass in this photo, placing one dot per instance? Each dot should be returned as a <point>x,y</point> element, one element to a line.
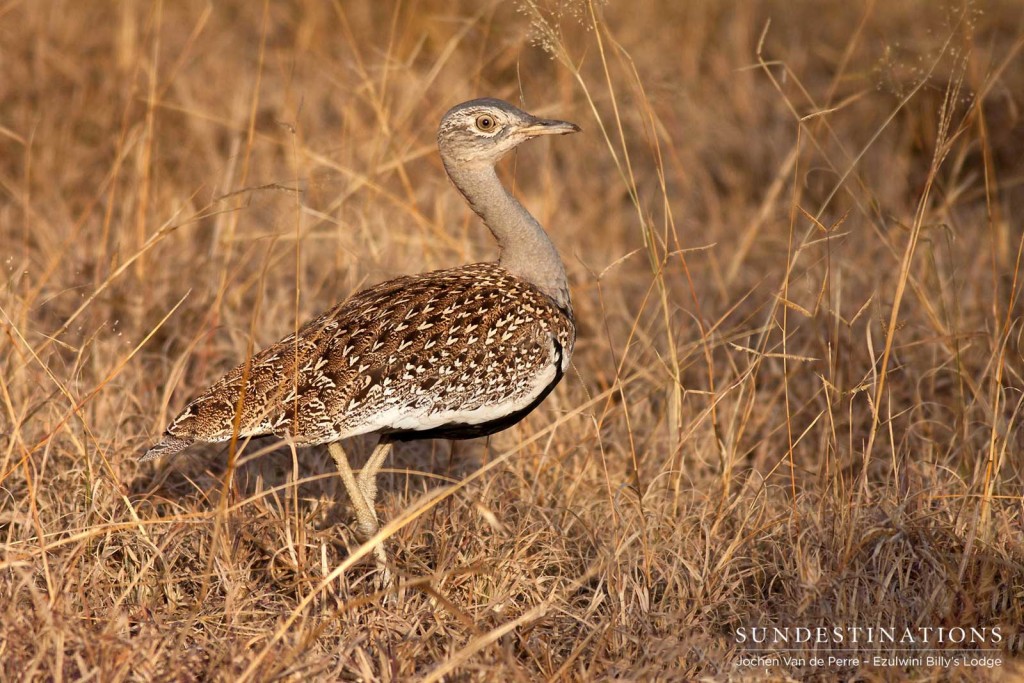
<point>794,238</point>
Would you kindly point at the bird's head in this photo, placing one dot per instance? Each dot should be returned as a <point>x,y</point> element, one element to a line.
<point>485,130</point>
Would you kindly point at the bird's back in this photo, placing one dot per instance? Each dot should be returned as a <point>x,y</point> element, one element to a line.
<point>452,353</point>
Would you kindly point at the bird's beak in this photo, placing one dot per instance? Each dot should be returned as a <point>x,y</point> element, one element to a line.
<point>550,127</point>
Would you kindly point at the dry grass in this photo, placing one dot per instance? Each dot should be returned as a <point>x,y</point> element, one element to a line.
<point>795,251</point>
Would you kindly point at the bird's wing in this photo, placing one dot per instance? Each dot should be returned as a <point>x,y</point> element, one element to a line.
<point>416,350</point>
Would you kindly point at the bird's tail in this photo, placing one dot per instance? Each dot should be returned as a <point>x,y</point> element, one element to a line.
<point>169,445</point>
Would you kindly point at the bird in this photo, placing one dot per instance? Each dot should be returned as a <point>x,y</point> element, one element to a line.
<point>458,353</point>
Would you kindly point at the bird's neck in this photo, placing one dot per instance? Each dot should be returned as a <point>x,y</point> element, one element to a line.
<point>526,250</point>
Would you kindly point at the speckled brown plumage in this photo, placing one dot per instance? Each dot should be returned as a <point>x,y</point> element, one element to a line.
<point>456,348</point>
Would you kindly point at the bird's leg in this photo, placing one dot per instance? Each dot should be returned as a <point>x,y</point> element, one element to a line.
<point>366,516</point>
<point>367,479</point>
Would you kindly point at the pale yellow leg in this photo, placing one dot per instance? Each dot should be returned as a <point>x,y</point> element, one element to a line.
<point>367,479</point>
<point>366,516</point>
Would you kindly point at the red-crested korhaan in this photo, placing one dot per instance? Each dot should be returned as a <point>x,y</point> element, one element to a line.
<point>452,354</point>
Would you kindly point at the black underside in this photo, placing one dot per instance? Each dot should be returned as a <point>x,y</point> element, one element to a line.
<point>458,430</point>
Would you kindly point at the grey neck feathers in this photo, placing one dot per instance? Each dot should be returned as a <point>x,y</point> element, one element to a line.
<point>526,250</point>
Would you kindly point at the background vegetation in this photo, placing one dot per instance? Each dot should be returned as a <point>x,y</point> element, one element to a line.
<point>794,239</point>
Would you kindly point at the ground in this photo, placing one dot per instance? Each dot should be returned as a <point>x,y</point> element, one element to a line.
<point>793,235</point>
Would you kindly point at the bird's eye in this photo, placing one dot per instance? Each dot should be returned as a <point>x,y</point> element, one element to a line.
<point>485,122</point>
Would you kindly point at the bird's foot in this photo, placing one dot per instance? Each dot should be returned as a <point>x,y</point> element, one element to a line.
<point>385,580</point>
<point>365,532</point>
